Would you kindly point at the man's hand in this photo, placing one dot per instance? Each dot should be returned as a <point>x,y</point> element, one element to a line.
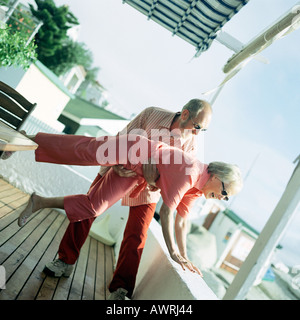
<point>122,172</point>
<point>185,263</point>
<point>151,174</point>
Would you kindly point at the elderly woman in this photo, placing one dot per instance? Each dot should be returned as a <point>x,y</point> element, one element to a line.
<point>182,180</point>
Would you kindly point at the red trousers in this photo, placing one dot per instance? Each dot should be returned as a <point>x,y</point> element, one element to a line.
<point>131,249</point>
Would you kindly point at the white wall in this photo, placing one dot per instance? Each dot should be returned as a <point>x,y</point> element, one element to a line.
<point>160,278</point>
<point>37,88</point>
<point>220,226</point>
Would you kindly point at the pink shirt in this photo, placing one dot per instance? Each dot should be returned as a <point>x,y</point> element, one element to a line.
<point>182,176</point>
<point>151,118</point>
<point>181,184</point>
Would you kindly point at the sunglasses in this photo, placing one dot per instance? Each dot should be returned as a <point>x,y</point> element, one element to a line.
<point>224,192</point>
<point>198,127</point>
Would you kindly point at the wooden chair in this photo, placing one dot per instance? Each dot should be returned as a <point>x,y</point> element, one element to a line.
<point>14,108</point>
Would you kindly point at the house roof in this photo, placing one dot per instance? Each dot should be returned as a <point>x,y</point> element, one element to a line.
<point>234,217</point>
<point>195,21</point>
<point>92,131</point>
<point>83,109</point>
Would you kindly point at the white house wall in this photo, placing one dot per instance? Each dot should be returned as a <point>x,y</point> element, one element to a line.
<point>220,226</point>
<point>37,88</point>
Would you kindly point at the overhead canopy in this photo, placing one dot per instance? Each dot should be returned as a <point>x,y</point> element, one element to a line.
<point>195,21</point>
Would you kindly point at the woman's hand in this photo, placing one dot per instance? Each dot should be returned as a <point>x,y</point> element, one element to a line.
<point>122,172</point>
<point>185,263</point>
<point>151,174</point>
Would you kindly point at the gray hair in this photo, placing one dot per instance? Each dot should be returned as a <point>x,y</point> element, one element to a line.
<point>227,173</point>
<point>194,106</point>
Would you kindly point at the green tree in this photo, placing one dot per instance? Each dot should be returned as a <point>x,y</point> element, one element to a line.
<point>91,74</point>
<point>53,33</point>
<point>69,55</point>
<point>4,2</point>
<point>13,49</point>
<point>21,20</point>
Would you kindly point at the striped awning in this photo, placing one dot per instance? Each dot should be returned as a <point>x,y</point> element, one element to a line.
<point>195,21</point>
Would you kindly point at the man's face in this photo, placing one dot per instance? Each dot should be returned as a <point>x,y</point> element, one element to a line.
<point>194,125</point>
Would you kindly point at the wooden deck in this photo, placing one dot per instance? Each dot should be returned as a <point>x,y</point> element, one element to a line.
<point>25,251</point>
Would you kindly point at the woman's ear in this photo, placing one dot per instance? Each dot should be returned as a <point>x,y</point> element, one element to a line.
<point>213,177</point>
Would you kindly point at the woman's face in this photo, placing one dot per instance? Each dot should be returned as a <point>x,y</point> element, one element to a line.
<point>214,187</point>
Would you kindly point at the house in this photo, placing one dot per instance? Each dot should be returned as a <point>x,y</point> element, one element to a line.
<point>57,106</point>
<point>41,86</point>
<point>73,78</point>
<point>92,91</point>
<point>233,237</point>
<point>86,118</point>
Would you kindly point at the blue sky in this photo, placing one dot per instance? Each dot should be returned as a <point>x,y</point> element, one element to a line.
<point>256,115</point>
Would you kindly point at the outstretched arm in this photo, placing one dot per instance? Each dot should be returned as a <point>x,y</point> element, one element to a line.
<point>167,223</point>
<point>181,233</point>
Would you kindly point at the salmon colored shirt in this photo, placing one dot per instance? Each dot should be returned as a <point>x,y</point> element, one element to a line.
<point>151,118</point>
<point>182,176</point>
<point>181,184</point>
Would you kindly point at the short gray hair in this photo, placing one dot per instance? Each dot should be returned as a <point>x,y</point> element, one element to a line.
<point>194,106</point>
<point>227,173</point>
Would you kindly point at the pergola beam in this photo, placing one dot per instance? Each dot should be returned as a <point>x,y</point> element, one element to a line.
<point>266,38</point>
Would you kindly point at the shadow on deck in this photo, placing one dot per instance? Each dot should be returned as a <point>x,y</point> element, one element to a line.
<point>25,251</point>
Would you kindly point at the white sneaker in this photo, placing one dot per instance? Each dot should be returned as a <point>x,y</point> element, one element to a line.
<point>58,268</point>
<point>119,294</point>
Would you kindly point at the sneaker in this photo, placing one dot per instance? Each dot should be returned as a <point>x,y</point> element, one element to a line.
<point>119,294</point>
<point>58,268</point>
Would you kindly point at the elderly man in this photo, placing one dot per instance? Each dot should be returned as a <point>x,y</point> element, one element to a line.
<point>195,116</point>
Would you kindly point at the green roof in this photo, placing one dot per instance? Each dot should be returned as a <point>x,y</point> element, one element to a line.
<point>234,217</point>
<point>231,215</point>
<point>77,106</point>
<point>92,131</point>
<point>84,109</point>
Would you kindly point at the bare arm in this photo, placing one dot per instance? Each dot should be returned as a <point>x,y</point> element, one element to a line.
<point>181,233</point>
<point>167,223</point>
<point>166,218</point>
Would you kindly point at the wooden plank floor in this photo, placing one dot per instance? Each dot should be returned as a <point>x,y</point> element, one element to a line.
<point>25,251</point>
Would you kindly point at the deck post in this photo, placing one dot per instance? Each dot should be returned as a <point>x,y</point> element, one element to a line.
<point>268,239</point>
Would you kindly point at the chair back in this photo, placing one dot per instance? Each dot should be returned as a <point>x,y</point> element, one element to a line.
<point>14,108</point>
